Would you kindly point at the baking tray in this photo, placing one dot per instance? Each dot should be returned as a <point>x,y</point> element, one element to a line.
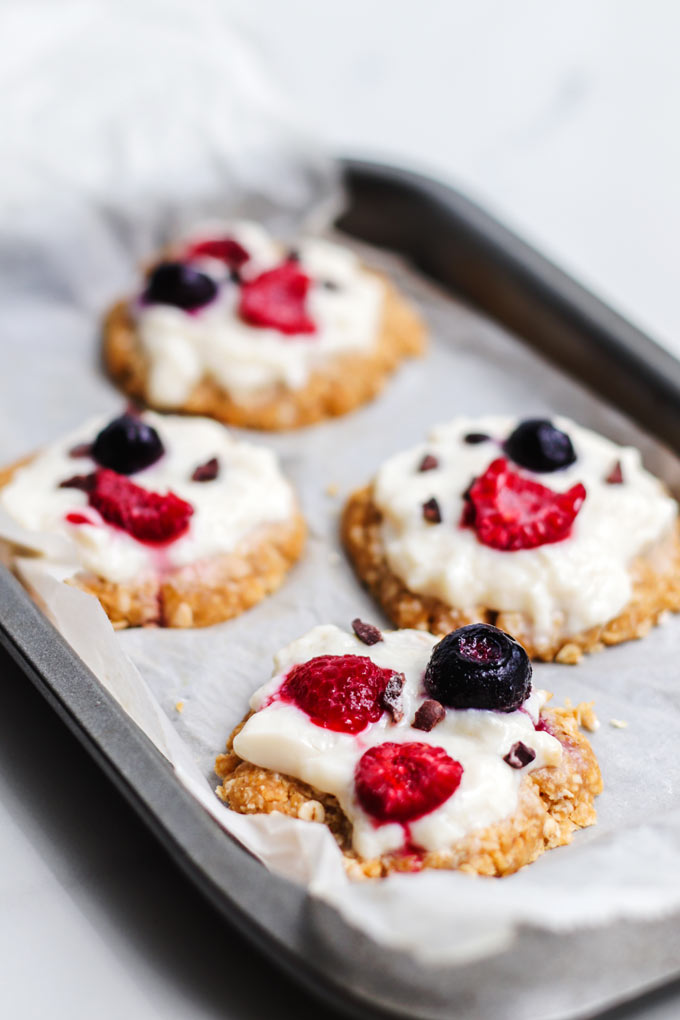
<point>456,244</point>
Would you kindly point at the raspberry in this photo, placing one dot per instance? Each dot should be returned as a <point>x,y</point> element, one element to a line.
<point>403,782</point>
<point>277,299</point>
<point>226,249</point>
<point>145,515</point>
<point>511,512</point>
<point>338,692</point>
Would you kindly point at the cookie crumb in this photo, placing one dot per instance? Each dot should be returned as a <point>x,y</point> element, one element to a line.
<point>332,489</point>
<point>311,811</point>
<point>618,724</point>
<point>569,654</point>
<point>183,616</point>
<point>586,717</point>
<point>179,707</point>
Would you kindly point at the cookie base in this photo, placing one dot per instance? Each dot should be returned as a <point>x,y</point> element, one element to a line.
<point>207,592</point>
<point>655,592</point>
<point>553,802</point>
<point>345,382</point>
<point>199,594</point>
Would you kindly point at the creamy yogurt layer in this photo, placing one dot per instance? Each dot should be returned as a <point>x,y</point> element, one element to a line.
<point>282,737</point>
<point>344,302</point>
<point>248,492</point>
<point>564,587</point>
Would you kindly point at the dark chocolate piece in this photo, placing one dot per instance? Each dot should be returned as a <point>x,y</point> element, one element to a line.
<point>615,476</point>
<point>473,438</point>
<point>431,511</point>
<point>428,715</point>
<point>428,463</point>
<point>83,482</point>
<point>519,755</point>
<point>81,450</point>
<point>366,632</point>
<point>207,472</point>
<point>391,699</point>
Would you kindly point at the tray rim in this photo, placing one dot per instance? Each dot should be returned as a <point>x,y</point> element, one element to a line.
<point>192,837</point>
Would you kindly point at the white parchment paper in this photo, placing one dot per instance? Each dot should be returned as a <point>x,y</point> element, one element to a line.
<point>73,235</point>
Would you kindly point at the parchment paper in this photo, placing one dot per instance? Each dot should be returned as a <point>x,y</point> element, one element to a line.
<point>625,867</point>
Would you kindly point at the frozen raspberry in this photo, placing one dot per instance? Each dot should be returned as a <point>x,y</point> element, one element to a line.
<point>173,283</point>
<point>538,445</point>
<point>511,512</point>
<point>338,692</point>
<point>403,782</point>
<point>226,249</point>
<point>127,445</point>
<point>145,515</point>
<point>277,299</point>
<point>479,666</point>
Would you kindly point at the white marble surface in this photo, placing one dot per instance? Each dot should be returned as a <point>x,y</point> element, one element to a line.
<point>561,117</point>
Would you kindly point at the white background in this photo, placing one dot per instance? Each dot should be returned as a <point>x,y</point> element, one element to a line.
<point>560,117</point>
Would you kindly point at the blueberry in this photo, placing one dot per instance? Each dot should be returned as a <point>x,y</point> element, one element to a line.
<point>173,283</point>
<point>479,666</point>
<point>537,445</point>
<point>127,445</point>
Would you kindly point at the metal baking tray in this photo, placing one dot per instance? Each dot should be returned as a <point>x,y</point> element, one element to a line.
<point>458,245</point>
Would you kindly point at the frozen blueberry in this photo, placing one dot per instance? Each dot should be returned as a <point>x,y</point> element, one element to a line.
<point>127,445</point>
<point>174,283</point>
<point>479,666</point>
<point>537,445</point>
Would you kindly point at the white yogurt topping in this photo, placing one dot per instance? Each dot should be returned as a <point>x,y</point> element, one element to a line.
<point>249,491</point>
<point>563,587</point>
<point>246,360</point>
<point>281,737</point>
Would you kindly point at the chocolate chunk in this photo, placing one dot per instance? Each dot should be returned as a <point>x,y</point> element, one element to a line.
<point>473,438</point>
<point>293,255</point>
<point>615,476</point>
<point>366,632</point>
<point>519,755</point>
<point>83,482</point>
<point>428,715</point>
<point>207,472</point>
<point>234,275</point>
<point>431,511</point>
<point>428,463</point>
<point>81,450</point>
<point>330,285</point>
<point>391,699</point>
